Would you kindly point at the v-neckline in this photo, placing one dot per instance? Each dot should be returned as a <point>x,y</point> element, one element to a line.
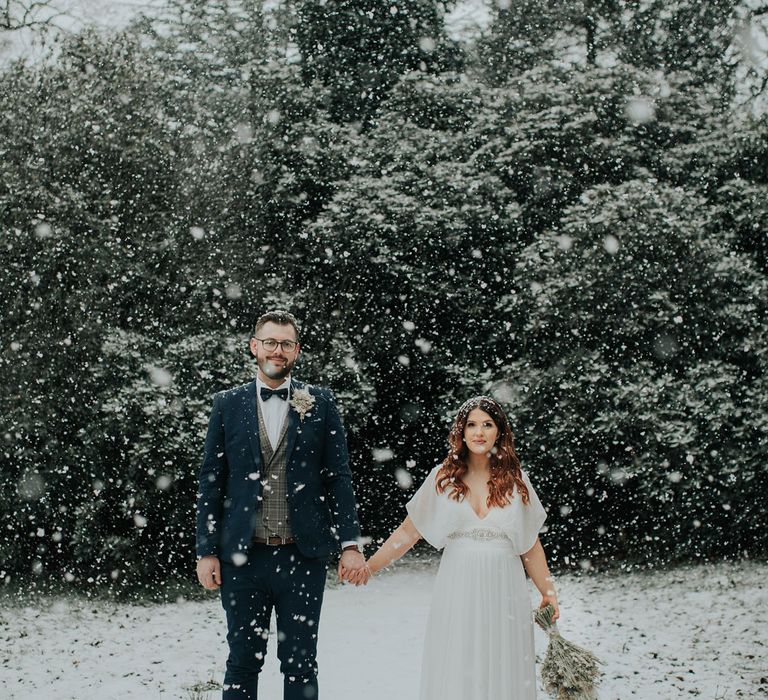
<point>474,512</point>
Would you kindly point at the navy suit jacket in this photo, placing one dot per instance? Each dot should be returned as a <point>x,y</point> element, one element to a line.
<point>319,482</point>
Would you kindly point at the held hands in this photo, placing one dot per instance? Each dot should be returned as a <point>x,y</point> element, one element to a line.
<point>353,568</point>
<point>361,576</point>
<point>209,573</point>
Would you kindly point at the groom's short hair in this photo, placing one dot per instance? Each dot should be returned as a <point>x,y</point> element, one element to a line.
<point>281,318</point>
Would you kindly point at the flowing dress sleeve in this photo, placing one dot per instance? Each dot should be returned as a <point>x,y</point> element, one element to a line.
<point>526,519</point>
<point>428,512</point>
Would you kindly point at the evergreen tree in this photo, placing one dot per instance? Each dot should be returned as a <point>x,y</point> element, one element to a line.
<point>360,48</point>
<point>656,36</point>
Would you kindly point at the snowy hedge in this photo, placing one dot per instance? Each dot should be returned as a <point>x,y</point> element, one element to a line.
<point>587,243</point>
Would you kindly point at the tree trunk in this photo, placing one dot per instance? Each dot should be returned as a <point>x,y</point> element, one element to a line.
<point>591,27</point>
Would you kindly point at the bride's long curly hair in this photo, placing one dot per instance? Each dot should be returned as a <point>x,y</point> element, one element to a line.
<point>504,464</point>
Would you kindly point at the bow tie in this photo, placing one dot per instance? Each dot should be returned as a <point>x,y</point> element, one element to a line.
<point>267,393</point>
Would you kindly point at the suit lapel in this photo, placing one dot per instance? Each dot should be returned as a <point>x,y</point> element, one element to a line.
<point>252,422</point>
<point>292,428</point>
<point>284,432</point>
<point>267,452</point>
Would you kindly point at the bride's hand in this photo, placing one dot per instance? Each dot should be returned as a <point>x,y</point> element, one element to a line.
<point>361,576</point>
<point>551,600</point>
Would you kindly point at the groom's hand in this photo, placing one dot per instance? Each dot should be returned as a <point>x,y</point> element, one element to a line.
<point>351,561</point>
<point>209,573</point>
<point>360,577</point>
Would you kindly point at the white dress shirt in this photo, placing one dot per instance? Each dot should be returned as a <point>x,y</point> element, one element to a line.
<point>274,410</point>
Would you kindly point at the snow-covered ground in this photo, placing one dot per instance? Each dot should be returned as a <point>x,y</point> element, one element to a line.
<point>686,632</point>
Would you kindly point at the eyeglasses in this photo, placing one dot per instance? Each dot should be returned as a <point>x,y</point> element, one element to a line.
<point>270,344</point>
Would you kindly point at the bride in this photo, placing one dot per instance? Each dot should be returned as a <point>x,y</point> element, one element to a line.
<point>480,506</point>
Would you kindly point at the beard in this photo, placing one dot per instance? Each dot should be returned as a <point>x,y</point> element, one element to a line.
<point>276,370</point>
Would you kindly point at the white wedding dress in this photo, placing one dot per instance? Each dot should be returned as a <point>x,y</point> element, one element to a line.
<point>479,639</point>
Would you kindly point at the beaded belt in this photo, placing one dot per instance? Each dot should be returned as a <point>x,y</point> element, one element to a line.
<point>479,533</point>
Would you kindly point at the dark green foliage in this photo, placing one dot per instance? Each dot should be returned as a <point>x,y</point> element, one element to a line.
<point>644,385</point>
<point>586,243</point>
<point>659,35</point>
<point>360,48</point>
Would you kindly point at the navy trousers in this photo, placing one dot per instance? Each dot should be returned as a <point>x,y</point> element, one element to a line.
<point>284,579</point>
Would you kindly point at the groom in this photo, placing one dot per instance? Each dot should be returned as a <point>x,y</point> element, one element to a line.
<point>275,502</point>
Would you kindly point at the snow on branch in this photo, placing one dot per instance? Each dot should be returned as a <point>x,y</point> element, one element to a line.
<point>23,14</point>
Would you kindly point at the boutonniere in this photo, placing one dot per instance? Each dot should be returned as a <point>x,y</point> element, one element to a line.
<point>302,401</point>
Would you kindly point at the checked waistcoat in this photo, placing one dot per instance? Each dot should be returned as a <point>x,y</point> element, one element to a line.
<point>274,519</point>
